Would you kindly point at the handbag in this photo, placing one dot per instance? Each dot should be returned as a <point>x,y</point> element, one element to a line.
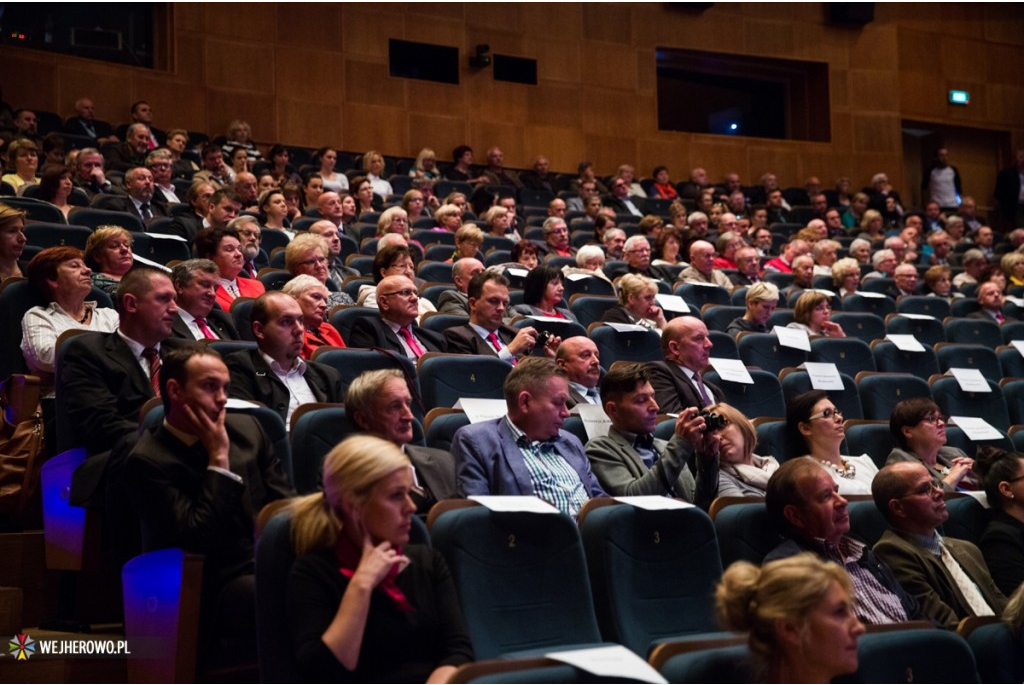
<point>22,445</point>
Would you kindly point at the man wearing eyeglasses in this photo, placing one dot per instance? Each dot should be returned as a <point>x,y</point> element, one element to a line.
<point>619,198</point>
<point>556,239</point>
<point>948,577</point>
<point>637,253</point>
<point>394,329</point>
<point>805,506</point>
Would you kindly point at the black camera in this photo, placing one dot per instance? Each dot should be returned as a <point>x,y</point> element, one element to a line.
<point>542,339</point>
<point>713,420</point>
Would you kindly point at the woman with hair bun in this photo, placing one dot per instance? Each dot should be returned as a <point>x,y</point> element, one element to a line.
<point>799,614</point>
<point>1002,476</point>
<point>363,604</point>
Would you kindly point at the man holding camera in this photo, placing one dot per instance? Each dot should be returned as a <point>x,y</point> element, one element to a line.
<point>631,461</point>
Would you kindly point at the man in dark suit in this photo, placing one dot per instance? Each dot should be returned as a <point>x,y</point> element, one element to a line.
<point>748,266</point>
<point>132,152</point>
<point>485,333</point>
<point>805,506</point>
<point>275,373</point>
<point>142,113</point>
<point>195,284</point>
<point>380,403</point>
<point>556,239</point>
<point>990,297</point>
<point>198,481</point>
<point>457,301</point>
<point>948,577</point>
<point>677,381</point>
<point>631,461</point>
<point>1009,187</point>
<point>105,378</point>
<point>395,329</point>
<point>140,200</point>
<point>581,361</point>
<point>86,124</point>
<point>526,452</point>
<point>620,200</point>
<point>89,174</point>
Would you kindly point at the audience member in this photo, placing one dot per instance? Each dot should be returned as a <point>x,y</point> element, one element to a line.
<point>814,427</point>
<point>311,295</point>
<point>762,299</point>
<point>394,329</point>
<point>195,286</point>
<point>918,428</point>
<point>579,358</point>
<point>1003,541</point>
<point>741,473</point>
<point>701,269</point>
<point>637,304</point>
<point>223,247</point>
<point>109,249</point>
<point>457,301</point>
<point>677,381</point>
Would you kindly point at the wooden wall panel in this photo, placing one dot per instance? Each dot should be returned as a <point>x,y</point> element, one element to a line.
<point>299,72</point>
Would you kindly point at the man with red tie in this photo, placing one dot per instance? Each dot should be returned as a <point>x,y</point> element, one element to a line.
<point>485,333</point>
<point>195,285</point>
<point>395,329</point>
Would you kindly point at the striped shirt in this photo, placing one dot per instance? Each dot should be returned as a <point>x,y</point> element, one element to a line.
<point>554,480</point>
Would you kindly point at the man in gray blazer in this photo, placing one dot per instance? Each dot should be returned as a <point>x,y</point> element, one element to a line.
<point>948,577</point>
<point>526,452</point>
<point>380,403</point>
<point>631,461</point>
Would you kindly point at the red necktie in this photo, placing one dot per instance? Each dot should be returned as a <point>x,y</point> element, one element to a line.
<point>207,333</point>
<point>493,337</point>
<point>153,357</point>
<point>999,317</point>
<point>411,341</point>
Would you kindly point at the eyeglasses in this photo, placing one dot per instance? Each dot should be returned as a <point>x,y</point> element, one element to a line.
<point>314,260</point>
<point>925,489</point>
<point>935,418</point>
<point>825,414</point>
<point>405,292</point>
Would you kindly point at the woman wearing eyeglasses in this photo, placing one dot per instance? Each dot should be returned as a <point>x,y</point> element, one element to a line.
<point>308,255</point>
<point>814,427</point>
<point>918,428</point>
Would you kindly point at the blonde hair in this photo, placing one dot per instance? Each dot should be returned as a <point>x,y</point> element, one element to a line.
<point>842,267</point>
<point>470,233</point>
<point>762,291</point>
<point>634,284</point>
<point>101,235</point>
<point>387,216</point>
<point>300,284</point>
<point>299,245</point>
<point>752,599</point>
<point>350,471</point>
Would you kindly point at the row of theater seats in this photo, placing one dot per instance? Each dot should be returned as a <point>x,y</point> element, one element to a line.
<point>642,579</point>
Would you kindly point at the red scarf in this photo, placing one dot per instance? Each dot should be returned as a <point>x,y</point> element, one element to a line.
<point>349,557</point>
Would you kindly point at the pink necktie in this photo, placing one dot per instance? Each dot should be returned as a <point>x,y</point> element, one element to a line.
<point>493,338</point>
<point>207,333</point>
<point>153,357</point>
<point>411,341</point>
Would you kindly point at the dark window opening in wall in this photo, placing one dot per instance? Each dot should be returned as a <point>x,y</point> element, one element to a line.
<point>112,32</point>
<point>423,61</point>
<point>740,95</point>
<point>515,69</point>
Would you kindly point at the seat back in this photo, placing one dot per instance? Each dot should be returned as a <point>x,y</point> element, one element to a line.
<point>730,664</point>
<point>797,381</point>
<point>94,218</point>
<point>745,533</point>
<point>577,284</point>
<point>342,316</point>
<point>723,345</point>
<point>160,248</point>
<point>890,358</point>
<point>445,378</point>
<point>871,438</point>
<point>626,346</point>
<point>956,355</point>
<point>967,520</point>
<point>697,295</point>
<point>560,328</point>
<point>521,579</point>
<point>350,362</point>
<point>161,591</point>
<point>763,350</point>
<point>440,426</point>
<point>763,398</point>
<point>850,355</point>
<point>926,655</point>
<point>997,653</point>
<point>881,391</point>
<point>924,304</point>
<point>867,523</point>
<point>973,332</point>
<point>439,323</point>
<point>1011,361</point>
<point>590,308</point>
<point>636,559</point>
<point>863,325</point>
<point>718,317</point>
<point>274,557</point>
<point>955,402</point>
<point>927,331</point>
<point>52,235</point>
<point>859,302</point>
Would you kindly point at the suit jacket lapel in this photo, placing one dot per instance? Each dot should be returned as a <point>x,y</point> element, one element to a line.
<point>267,383</point>
<point>122,355</point>
<point>316,382</point>
<point>514,459</point>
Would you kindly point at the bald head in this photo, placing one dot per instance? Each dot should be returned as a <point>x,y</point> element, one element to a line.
<point>579,357</point>
<point>329,206</point>
<point>685,341</point>
<point>464,270</point>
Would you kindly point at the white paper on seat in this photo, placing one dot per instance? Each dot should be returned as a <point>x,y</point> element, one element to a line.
<point>235,403</point>
<point>478,409</point>
<point>527,503</point>
<point>518,273</point>
<point>578,277</point>
<point>823,375</point>
<point>1019,344</point>
<point>970,380</point>
<point>595,421</point>
<point>673,303</point>
<point>792,337</point>
<point>654,502</point>
<point>550,319</point>
<point>830,293</point>
<point>731,370</point>
<point>702,284</point>
<point>978,495</point>
<point>613,661</point>
<point>149,262</point>
<point>916,316</point>
<point>868,293</point>
<point>626,327</point>
<point>905,342</point>
<point>975,428</point>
